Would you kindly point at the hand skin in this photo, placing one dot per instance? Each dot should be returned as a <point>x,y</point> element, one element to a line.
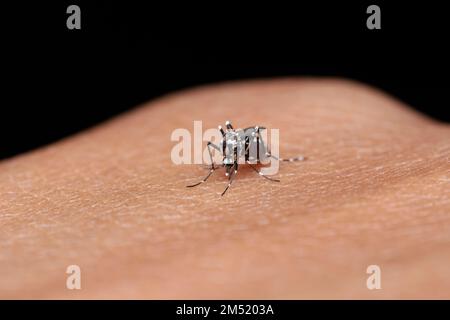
<point>375,190</point>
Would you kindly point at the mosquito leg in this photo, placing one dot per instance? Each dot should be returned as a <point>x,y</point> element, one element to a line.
<point>221,131</point>
<point>204,179</point>
<point>231,177</point>
<point>262,174</point>
<point>209,145</point>
<point>213,167</point>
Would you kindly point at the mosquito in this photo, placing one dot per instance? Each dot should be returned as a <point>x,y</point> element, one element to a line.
<point>245,144</point>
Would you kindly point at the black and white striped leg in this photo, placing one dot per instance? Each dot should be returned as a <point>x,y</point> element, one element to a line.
<point>204,179</point>
<point>261,174</point>
<point>209,145</point>
<point>212,169</point>
<point>231,177</point>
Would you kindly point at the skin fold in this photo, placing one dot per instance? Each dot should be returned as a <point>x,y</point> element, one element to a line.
<point>374,190</point>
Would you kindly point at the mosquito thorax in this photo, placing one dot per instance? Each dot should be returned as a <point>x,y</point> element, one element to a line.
<point>233,139</point>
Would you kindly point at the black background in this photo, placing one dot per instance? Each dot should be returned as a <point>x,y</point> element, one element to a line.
<point>283,309</point>
<point>58,81</point>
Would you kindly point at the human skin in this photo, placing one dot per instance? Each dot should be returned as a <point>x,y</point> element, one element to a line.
<point>374,190</point>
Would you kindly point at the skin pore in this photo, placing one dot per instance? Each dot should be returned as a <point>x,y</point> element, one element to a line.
<point>373,191</point>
